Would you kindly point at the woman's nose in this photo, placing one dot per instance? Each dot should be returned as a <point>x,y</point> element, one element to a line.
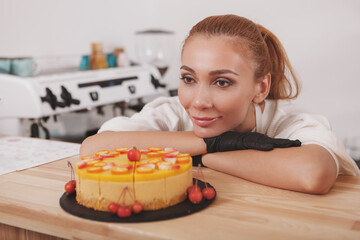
<point>202,98</point>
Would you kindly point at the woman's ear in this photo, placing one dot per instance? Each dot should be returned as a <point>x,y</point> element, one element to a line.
<point>262,88</point>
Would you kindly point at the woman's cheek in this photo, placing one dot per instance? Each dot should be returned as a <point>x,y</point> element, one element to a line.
<point>226,102</point>
<point>185,96</point>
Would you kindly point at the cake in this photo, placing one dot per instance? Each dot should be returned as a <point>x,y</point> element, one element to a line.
<point>158,180</point>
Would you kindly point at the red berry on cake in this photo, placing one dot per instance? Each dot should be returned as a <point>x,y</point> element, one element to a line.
<point>134,155</point>
<point>124,211</point>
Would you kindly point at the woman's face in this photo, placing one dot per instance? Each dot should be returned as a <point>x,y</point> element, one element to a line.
<point>217,86</point>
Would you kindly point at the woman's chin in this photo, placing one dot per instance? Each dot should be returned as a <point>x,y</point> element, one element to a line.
<point>206,133</point>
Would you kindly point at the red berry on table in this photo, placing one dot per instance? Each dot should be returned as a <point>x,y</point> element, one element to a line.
<point>137,207</point>
<point>70,186</point>
<point>195,196</point>
<point>124,211</point>
<point>194,192</point>
<point>192,188</point>
<point>134,155</point>
<point>208,193</point>
<point>113,207</point>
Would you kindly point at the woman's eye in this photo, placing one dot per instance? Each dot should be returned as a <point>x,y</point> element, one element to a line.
<point>223,83</point>
<point>187,79</point>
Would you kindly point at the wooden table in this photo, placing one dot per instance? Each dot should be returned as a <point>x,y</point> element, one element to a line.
<point>29,208</point>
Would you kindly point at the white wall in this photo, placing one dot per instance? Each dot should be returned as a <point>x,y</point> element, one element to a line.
<point>322,38</point>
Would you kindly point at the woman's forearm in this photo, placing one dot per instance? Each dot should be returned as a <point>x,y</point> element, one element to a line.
<point>183,141</point>
<point>308,168</point>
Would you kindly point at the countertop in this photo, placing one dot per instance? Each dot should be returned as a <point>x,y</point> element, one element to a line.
<point>29,199</point>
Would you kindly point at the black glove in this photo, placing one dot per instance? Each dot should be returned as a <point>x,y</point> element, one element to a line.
<point>230,141</point>
<point>196,160</point>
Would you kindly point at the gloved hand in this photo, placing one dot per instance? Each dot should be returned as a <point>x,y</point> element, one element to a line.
<point>230,141</point>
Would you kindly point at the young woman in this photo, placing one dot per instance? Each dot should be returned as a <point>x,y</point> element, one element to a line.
<point>234,109</point>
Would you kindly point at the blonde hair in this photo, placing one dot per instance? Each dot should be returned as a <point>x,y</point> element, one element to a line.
<point>263,47</point>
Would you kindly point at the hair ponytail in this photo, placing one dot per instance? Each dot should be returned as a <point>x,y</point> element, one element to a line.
<point>263,47</point>
<point>278,66</point>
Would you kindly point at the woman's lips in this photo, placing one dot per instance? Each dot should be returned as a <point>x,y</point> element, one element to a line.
<point>204,122</point>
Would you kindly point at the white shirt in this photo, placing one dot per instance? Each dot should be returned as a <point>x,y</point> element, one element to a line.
<point>280,119</point>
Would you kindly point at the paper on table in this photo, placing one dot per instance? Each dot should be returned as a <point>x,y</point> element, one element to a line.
<point>18,153</point>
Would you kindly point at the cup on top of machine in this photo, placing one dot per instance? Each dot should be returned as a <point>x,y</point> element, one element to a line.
<point>22,66</point>
<point>5,65</point>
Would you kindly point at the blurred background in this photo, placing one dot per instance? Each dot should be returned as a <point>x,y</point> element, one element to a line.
<point>321,38</point>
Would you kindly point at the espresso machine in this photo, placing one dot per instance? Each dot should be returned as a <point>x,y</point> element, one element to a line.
<point>29,106</point>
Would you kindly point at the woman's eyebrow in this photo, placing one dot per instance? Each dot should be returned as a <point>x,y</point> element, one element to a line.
<point>212,73</point>
<point>187,68</point>
<point>222,71</point>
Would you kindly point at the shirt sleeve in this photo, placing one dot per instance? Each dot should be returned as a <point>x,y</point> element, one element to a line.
<point>315,129</point>
<point>162,114</point>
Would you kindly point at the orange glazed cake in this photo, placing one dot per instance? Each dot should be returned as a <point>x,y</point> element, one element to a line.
<point>159,180</point>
